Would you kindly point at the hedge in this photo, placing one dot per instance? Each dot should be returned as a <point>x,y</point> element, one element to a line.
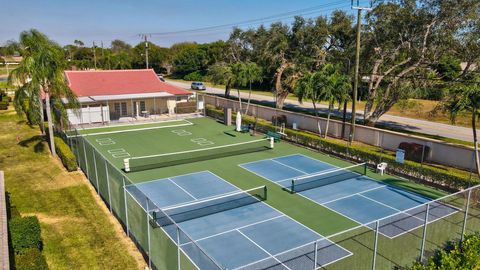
<point>65,154</point>
<point>30,259</point>
<point>465,255</point>
<point>25,234</point>
<point>359,153</point>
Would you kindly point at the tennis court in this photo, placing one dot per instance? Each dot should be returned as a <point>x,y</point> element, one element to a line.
<point>177,167</point>
<point>350,193</point>
<point>232,227</point>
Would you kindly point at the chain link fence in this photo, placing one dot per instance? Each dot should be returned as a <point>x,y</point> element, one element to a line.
<point>394,241</point>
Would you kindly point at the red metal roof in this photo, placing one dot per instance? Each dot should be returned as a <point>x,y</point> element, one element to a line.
<point>118,82</point>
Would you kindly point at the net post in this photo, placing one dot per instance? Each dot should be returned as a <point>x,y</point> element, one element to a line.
<point>272,142</point>
<point>108,186</point>
<point>375,245</point>
<point>125,205</point>
<point>265,192</point>
<point>422,250</point>
<point>365,169</point>
<point>126,164</point>
<point>292,187</point>
<point>96,171</point>
<point>315,255</point>
<point>462,236</point>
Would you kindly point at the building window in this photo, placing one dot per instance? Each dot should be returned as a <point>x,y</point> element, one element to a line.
<point>142,106</point>
<point>124,109</point>
<point>179,98</point>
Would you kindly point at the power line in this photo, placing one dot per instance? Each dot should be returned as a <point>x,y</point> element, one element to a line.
<point>276,17</point>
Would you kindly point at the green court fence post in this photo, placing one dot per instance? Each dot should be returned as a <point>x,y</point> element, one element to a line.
<point>422,250</point>
<point>466,216</point>
<point>315,255</point>
<point>86,160</point>
<point>148,235</point>
<point>178,248</point>
<point>108,186</point>
<point>76,150</point>
<point>125,201</point>
<point>95,167</point>
<point>375,245</point>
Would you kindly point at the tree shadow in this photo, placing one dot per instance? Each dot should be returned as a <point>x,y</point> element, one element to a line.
<point>37,140</point>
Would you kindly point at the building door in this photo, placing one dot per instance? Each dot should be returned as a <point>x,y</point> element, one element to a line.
<point>120,108</point>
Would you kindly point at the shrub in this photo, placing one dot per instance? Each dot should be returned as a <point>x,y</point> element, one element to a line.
<point>194,76</point>
<point>25,234</point>
<point>65,154</point>
<point>465,255</point>
<point>3,105</point>
<point>451,179</point>
<point>30,259</point>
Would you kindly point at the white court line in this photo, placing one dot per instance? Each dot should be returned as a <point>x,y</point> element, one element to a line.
<point>278,162</point>
<point>388,206</point>
<point>188,193</point>
<point>164,231</point>
<point>239,228</point>
<point>133,130</point>
<point>294,220</point>
<point>350,195</point>
<point>116,150</point>
<point>264,250</point>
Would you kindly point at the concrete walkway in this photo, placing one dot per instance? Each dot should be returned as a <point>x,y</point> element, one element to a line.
<point>405,123</point>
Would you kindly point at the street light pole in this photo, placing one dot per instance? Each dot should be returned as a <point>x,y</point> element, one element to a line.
<point>357,64</point>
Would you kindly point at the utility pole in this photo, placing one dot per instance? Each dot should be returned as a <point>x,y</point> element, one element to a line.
<point>145,38</point>
<point>357,64</point>
<point>94,56</point>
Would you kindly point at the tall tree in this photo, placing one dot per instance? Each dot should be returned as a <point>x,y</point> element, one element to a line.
<point>404,37</point>
<point>221,73</point>
<point>466,98</point>
<point>41,72</point>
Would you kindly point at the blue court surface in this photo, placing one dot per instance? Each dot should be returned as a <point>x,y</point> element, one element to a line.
<point>244,236</point>
<point>356,196</point>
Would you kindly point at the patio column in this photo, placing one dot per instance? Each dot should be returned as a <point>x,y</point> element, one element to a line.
<point>154,108</point>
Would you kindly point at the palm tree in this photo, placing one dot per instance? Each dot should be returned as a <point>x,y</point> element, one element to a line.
<point>249,73</point>
<point>336,91</point>
<point>41,75</point>
<point>466,98</point>
<point>309,87</point>
<point>326,84</point>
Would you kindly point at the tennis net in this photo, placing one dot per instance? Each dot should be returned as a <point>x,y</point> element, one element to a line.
<point>208,206</point>
<point>329,177</point>
<point>170,159</point>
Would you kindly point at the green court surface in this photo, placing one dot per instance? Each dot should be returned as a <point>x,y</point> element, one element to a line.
<point>137,127</point>
<point>201,133</point>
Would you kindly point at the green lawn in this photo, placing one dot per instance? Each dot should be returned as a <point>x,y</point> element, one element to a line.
<point>397,252</point>
<point>77,230</point>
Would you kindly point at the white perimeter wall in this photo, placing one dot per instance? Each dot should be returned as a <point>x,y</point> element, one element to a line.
<point>440,152</point>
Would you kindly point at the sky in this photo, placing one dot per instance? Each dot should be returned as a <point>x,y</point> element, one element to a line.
<point>105,20</point>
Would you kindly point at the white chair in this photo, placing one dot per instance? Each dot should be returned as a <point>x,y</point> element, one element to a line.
<point>381,167</point>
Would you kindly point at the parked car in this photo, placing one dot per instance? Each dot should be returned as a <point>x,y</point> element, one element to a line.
<point>198,86</point>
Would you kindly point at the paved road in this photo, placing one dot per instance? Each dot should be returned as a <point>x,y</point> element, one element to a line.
<point>405,123</point>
